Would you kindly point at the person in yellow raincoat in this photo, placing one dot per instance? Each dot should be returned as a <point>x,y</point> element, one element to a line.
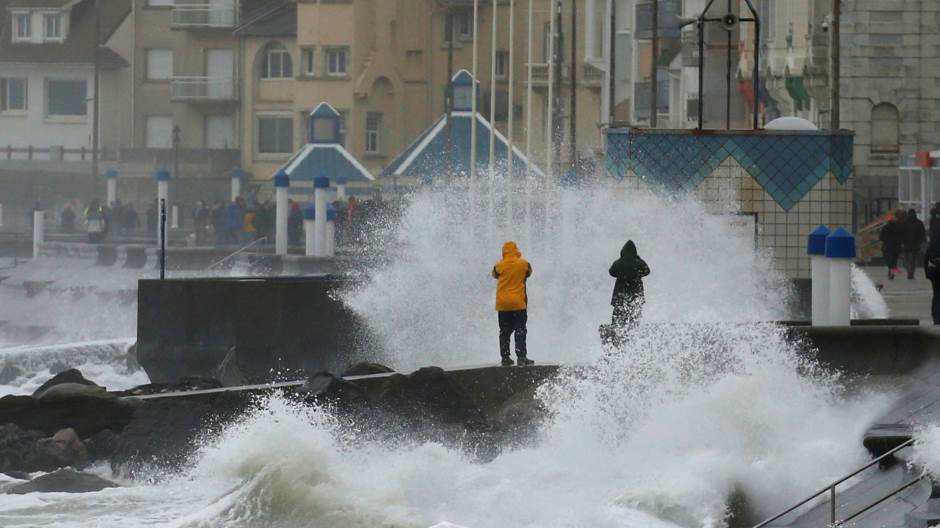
<point>512,302</point>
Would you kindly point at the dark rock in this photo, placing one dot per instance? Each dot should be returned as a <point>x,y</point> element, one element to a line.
<point>102,445</point>
<point>183,385</point>
<point>59,367</point>
<point>324,387</point>
<point>63,481</point>
<point>85,408</point>
<point>66,444</point>
<point>66,375</point>
<point>27,451</point>
<point>365,368</point>
<point>521,416</point>
<point>18,475</point>
<point>429,393</point>
<point>9,373</point>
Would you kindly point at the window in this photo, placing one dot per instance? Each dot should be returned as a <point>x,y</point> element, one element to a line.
<point>277,63</point>
<point>502,64</point>
<point>275,135</point>
<point>160,3</point>
<point>22,27</point>
<point>463,21</point>
<point>373,132</point>
<point>308,61</point>
<point>66,97</point>
<point>13,95</point>
<point>51,23</point>
<point>884,128</point>
<point>159,132</point>
<point>159,64</point>
<point>336,61</point>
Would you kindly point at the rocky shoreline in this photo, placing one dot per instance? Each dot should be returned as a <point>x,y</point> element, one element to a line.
<point>70,423</point>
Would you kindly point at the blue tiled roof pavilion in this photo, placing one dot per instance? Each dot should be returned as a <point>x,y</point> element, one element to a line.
<point>324,154</point>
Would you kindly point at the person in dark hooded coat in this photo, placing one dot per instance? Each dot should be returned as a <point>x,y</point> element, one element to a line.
<point>628,297</point>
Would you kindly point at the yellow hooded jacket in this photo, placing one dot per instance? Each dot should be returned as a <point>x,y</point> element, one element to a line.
<point>511,274</point>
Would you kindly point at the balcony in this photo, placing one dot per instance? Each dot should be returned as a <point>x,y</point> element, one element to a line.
<point>203,16</point>
<point>204,89</point>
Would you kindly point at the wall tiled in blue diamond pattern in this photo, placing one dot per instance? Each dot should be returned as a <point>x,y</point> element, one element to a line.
<point>791,182</point>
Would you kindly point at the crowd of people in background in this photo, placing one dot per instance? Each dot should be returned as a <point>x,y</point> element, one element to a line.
<point>904,236</point>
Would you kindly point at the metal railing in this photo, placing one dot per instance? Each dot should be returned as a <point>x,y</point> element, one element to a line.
<point>203,16</point>
<point>236,252</point>
<point>831,489</point>
<point>199,88</point>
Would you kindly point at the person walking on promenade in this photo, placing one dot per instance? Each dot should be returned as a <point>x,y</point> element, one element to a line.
<point>934,222</point>
<point>628,297</point>
<point>512,302</point>
<point>892,237</point>
<point>932,270</point>
<point>234,220</point>
<point>914,237</point>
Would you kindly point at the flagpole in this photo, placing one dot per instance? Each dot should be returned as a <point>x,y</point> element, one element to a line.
<point>473,102</point>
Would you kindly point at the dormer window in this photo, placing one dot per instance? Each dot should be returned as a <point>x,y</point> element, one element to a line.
<point>52,26</point>
<point>22,27</point>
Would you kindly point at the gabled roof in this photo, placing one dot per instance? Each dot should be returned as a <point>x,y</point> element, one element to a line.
<point>79,46</point>
<point>428,156</point>
<point>273,19</point>
<point>328,160</point>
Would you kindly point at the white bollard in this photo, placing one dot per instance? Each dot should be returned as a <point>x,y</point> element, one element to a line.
<point>281,186</point>
<point>309,229</point>
<point>175,215</point>
<point>819,275</point>
<point>341,188</point>
<point>237,174</point>
<point>320,186</point>
<point>39,231</point>
<point>331,231</point>
<point>1,215</point>
<point>163,192</point>
<point>840,252</point>
<point>111,175</point>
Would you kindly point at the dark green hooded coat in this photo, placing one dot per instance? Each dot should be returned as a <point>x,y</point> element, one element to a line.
<point>629,271</point>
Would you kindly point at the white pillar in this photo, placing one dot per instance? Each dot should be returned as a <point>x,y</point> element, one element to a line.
<point>819,275</point>
<point>39,230</point>
<point>320,186</point>
<point>111,176</point>
<point>340,188</point>
<point>163,192</point>
<point>1,215</point>
<point>281,186</point>
<point>331,235</point>
<point>237,174</point>
<point>309,228</point>
<point>840,252</point>
<point>175,217</point>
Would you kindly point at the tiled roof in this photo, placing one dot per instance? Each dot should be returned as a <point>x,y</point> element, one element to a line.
<point>79,46</point>
<point>327,160</point>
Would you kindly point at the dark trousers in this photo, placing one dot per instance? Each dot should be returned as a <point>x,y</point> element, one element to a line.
<point>935,307</point>
<point>891,259</point>
<point>910,262</point>
<point>509,323</point>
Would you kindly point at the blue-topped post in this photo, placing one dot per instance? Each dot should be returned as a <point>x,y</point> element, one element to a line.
<point>111,179</point>
<point>320,185</point>
<point>237,175</point>
<point>330,231</point>
<point>840,252</point>
<point>341,188</point>
<point>309,228</point>
<point>281,186</point>
<point>819,275</point>
<point>163,193</point>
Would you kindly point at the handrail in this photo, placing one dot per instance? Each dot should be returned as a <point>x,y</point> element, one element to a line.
<point>239,250</point>
<point>831,488</point>
<point>890,494</point>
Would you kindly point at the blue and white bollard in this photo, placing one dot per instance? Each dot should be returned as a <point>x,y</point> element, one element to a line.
<point>341,188</point>
<point>330,231</point>
<point>309,229</point>
<point>819,275</point>
<point>111,176</point>
<point>281,186</point>
<point>320,185</point>
<point>163,193</point>
<point>237,174</point>
<point>840,252</point>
